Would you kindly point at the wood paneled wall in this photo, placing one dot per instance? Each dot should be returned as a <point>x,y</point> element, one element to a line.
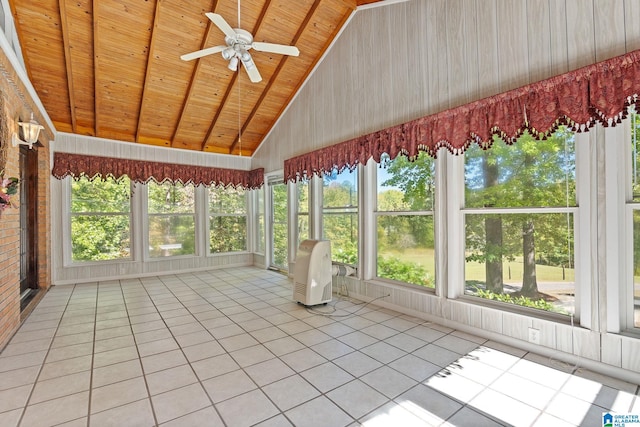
<point>397,62</point>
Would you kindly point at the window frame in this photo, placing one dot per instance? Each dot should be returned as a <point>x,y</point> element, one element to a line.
<point>197,219</point>
<point>67,252</point>
<point>585,208</point>
<point>210,215</point>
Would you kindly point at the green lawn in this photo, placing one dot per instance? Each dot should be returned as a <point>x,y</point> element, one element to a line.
<point>476,271</point>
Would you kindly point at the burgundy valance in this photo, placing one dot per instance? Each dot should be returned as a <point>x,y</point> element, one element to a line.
<point>598,93</point>
<point>91,167</point>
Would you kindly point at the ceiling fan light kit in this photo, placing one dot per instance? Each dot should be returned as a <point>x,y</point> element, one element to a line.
<point>238,43</point>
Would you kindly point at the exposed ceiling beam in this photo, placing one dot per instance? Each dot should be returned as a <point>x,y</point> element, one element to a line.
<point>64,24</point>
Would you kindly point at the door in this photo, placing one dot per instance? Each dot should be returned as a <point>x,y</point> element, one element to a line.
<point>28,224</point>
<point>278,230</point>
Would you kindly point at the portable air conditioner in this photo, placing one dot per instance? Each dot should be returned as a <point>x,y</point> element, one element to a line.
<point>312,273</point>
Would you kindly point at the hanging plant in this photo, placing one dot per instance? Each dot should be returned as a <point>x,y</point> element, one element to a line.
<point>8,187</point>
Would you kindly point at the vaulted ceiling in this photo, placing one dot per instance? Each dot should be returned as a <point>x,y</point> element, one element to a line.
<point>112,69</point>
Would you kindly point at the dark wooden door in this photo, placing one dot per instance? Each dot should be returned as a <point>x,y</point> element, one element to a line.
<point>28,224</point>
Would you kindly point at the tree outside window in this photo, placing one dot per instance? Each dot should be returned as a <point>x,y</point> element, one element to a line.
<point>100,218</point>
<point>171,210</point>
<point>340,215</point>
<point>227,220</point>
<point>404,220</point>
<point>520,204</point>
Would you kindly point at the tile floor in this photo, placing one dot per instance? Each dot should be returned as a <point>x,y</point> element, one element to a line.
<point>230,348</point>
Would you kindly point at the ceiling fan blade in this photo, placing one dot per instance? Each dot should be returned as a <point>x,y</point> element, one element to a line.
<point>276,48</point>
<point>252,70</point>
<point>201,53</point>
<point>219,21</point>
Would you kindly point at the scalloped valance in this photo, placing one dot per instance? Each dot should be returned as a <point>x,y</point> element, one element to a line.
<point>597,93</point>
<point>91,167</point>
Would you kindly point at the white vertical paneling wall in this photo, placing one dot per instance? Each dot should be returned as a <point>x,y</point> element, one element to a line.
<point>399,61</point>
<point>83,272</point>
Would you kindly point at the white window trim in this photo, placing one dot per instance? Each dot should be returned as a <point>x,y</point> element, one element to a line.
<point>67,249</point>
<point>583,248</point>
<point>248,198</point>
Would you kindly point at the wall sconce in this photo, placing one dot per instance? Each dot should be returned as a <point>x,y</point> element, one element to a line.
<point>30,130</point>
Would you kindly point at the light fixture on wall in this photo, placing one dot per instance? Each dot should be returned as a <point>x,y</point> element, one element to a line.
<point>30,131</point>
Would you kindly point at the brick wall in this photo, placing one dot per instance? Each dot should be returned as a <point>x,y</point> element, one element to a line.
<point>18,103</point>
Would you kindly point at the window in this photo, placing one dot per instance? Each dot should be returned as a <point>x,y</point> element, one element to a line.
<point>340,215</point>
<point>171,210</point>
<point>302,190</point>
<point>634,205</point>
<point>100,218</point>
<point>520,205</point>
<point>259,194</point>
<point>404,220</point>
<point>227,220</point>
<point>279,242</point>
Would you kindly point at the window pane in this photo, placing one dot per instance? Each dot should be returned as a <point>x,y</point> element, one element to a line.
<point>279,238</point>
<point>169,198</point>
<point>636,268</point>
<point>99,237</point>
<point>404,185</point>
<point>171,235</point>
<point>526,259</point>
<point>340,215</point>
<point>228,233</point>
<point>100,220</point>
<point>341,228</point>
<point>260,229</point>
<point>227,201</point>
<point>405,243</point>
<point>302,189</point>
<point>406,249</point>
<point>529,173</point>
<point>171,219</point>
<point>100,196</point>
<point>227,220</point>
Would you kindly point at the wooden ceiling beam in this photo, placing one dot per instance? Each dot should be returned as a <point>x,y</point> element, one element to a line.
<point>267,87</point>
<point>141,108</point>
<point>96,57</point>
<point>235,81</point>
<point>194,75</point>
<point>67,59</point>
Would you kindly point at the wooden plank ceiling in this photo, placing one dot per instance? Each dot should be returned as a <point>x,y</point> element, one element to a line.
<point>112,69</point>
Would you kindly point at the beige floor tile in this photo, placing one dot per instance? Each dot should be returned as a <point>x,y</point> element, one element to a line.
<point>320,412</point>
<point>159,346</point>
<point>234,411</point>
<point>270,371</point>
<point>56,411</point>
<point>177,403</point>
<point>111,357</point>
<point>9,363</point>
<point>228,385</point>
<point>14,398</point>
<point>137,413</point>
<point>61,386</point>
<point>214,366</point>
<point>356,398</point>
<point>117,394</point>
<point>290,392</point>
<point>18,377</point>
<point>170,379</point>
<point>204,417</point>
<point>10,418</point>
<point>117,372</point>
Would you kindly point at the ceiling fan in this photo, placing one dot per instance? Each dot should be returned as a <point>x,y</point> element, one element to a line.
<point>238,43</point>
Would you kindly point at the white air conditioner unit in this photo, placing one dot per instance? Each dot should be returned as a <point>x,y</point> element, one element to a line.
<point>312,273</point>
